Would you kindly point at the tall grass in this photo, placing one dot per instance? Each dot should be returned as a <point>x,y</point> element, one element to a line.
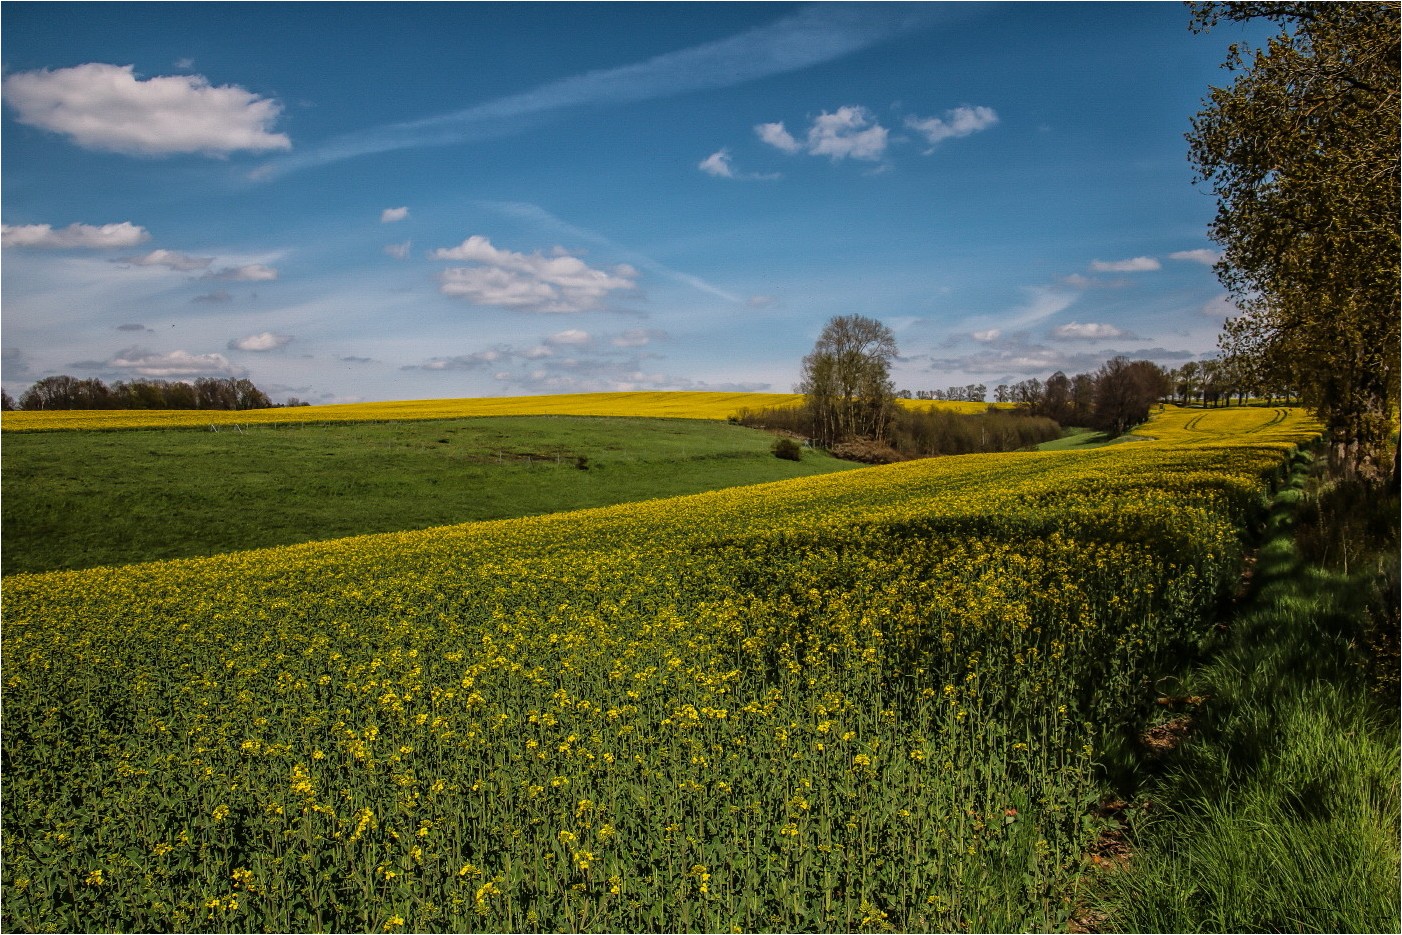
<point>1281,812</point>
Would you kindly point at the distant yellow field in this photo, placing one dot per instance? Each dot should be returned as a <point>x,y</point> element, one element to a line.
<point>658,405</point>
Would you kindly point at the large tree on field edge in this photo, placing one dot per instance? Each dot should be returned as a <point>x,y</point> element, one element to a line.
<point>1302,153</point>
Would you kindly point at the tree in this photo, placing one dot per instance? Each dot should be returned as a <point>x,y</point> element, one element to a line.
<point>1301,151</point>
<point>1125,391</point>
<point>7,402</point>
<point>847,380</point>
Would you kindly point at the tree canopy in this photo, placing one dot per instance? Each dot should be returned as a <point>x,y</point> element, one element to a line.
<point>847,380</point>
<point>1302,153</point>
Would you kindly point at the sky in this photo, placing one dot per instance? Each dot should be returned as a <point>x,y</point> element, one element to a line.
<point>347,202</point>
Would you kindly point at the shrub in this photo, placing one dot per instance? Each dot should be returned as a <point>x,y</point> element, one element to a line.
<point>788,449</point>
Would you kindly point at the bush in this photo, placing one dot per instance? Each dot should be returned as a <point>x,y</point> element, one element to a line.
<point>788,449</point>
<point>867,451</point>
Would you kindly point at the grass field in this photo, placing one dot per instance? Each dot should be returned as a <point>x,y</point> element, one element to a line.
<point>872,700</point>
<point>76,499</point>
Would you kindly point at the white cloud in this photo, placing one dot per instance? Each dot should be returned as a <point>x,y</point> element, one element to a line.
<point>265,341</point>
<point>390,215</point>
<point>717,164</point>
<point>775,135</point>
<point>572,337</point>
<point>1139,264</point>
<point>959,122</point>
<point>849,132</point>
<point>106,107</point>
<point>74,236</point>
<point>992,334</point>
<point>762,301</point>
<point>170,259</point>
<point>400,251</point>
<point>174,364</point>
<point>1088,331</point>
<point>1206,257</point>
<point>529,282</point>
<point>252,272</point>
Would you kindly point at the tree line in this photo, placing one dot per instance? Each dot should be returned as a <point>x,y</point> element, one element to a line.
<point>65,392</point>
<point>850,403</point>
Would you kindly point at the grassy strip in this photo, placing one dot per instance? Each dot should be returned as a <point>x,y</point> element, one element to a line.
<point>80,499</point>
<point>1280,810</point>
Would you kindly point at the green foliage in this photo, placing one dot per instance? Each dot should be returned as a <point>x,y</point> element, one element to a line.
<point>1301,151</point>
<point>788,449</point>
<point>83,498</point>
<point>1280,812</point>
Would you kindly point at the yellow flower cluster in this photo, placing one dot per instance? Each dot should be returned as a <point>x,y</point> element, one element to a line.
<point>804,705</point>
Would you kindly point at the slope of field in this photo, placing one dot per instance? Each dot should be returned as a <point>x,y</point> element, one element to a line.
<point>80,499</point>
<point>869,700</point>
<point>656,405</point>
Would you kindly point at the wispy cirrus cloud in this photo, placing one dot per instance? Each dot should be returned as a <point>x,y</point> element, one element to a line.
<point>525,211</point>
<point>814,35</point>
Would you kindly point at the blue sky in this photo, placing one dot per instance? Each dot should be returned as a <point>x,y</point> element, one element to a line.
<point>359,201</point>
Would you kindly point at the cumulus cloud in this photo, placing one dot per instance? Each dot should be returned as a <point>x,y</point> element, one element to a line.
<point>992,334</point>
<point>717,164</point>
<point>252,272</point>
<point>775,135</point>
<point>1088,331</point>
<point>1206,257</point>
<point>390,215</point>
<point>1139,264</point>
<point>400,251</point>
<point>170,259</point>
<point>959,122</point>
<point>106,107</point>
<point>175,364</point>
<point>528,282</point>
<point>849,132</point>
<point>74,236</point>
<point>264,341</point>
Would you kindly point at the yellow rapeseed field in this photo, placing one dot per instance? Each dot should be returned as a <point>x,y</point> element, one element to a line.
<point>664,405</point>
<point>864,701</point>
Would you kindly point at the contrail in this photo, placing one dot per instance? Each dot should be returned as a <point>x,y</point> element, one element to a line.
<point>810,37</point>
